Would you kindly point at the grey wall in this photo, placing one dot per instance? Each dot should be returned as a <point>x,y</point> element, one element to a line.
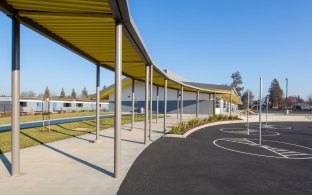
<point>189,106</point>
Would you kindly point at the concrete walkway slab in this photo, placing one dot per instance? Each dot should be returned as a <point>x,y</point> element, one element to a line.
<point>76,165</point>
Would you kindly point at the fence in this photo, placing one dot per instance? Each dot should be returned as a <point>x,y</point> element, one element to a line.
<point>5,110</point>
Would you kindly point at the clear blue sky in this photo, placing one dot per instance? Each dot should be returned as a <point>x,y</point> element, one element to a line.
<point>203,41</point>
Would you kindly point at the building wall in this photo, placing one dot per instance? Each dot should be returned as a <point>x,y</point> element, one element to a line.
<point>189,103</point>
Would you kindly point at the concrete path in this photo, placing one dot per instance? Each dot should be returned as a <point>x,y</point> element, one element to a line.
<point>76,165</point>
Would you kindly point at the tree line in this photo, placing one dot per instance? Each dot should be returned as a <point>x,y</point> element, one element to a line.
<point>276,98</point>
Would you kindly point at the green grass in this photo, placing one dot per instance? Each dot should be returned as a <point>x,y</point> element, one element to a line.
<point>184,126</point>
<point>28,118</point>
<point>35,136</point>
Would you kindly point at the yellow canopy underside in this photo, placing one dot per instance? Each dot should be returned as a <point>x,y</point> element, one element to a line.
<point>89,26</point>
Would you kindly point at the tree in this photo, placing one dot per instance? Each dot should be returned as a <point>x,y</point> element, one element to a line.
<point>74,94</point>
<point>28,94</point>
<point>46,93</point>
<point>104,87</point>
<point>275,94</point>
<point>245,98</point>
<point>292,100</point>
<point>62,95</point>
<point>237,82</point>
<point>84,94</point>
<point>309,99</point>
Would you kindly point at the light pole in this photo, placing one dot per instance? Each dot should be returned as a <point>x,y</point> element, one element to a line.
<point>286,93</point>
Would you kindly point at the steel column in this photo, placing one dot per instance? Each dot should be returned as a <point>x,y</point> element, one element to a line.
<point>146,102</point>
<point>15,115</point>
<point>132,99</point>
<point>260,112</point>
<point>231,104</point>
<point>248,112</point>
<point>97,139</point>
<point>151,103</point>
<point>157,103</point>
<point>181,115</point>
<point>209,99</point>
<point>165,105</point>
<point>178,96</point>
<point>267,110</point>
<point>197,103</point>
<point>118,95</point>
<point>214,104</point>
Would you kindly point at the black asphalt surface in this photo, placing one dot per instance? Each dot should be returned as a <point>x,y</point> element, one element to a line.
<point>196,166</point>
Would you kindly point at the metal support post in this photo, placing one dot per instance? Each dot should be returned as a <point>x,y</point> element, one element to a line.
<point>267,110</point>
<point>117,129</point>
<point>132,103</point>
<point>214,104</point>
<point>151,103</point>
<point>165,105</point>
<point>231,101</point>
<point>260,111</point>
<point>178,96</point>
<point>197,103</point>
<point>15,115</point>
<point>157,103</point>
<point>146,102</point>
<point>248,112</point>
<point>97,139</point>
<point>181,115</point>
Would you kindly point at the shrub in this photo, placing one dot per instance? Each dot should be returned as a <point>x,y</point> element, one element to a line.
<point>184,126</point>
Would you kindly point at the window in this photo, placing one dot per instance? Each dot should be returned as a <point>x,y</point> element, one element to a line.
<point>23,104</point>
<point>67,105</point>
<point>79,105</point>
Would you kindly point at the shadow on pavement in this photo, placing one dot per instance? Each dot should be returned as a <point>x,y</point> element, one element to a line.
<point>100,169</point>
<point>5,161</point>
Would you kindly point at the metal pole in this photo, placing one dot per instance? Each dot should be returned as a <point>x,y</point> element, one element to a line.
<point>197,103</point>
<point>146,102</point>
<point>118,69</point>
<point>214,104</point>
<point>132,103</point>
<point>151,103</point>
<point>165,105</point>
<point>97,139</point>
<point>157,103</point>
<point>15,115</point>
<point>178,96</point>
<point>181,110</point>
<point>267,110</point>
<point>231,101</point>
<point>248,112</point>
<point>209,107</point>
<point>286,93</point>
<point>260,111</point>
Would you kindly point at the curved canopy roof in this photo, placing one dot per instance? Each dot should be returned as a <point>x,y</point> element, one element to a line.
<point>87,27</point>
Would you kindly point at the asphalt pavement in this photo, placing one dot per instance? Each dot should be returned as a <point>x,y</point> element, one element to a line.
<point>211,161</point>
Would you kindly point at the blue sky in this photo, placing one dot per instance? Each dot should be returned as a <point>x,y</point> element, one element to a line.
<point>205,41</point>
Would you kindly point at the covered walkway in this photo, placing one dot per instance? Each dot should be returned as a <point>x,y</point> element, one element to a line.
<point>75,165</point>
<point>103,32</point>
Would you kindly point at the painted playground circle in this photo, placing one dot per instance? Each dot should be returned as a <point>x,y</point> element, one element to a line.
<point>268,148</point>
<point>253,131</point>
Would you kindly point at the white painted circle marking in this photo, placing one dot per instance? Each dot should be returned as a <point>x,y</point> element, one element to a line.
<point>279,149</point>
<point>243,131</point>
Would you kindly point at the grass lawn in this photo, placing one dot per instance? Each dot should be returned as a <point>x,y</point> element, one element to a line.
<point>35,136</point>
<point>28,118</point>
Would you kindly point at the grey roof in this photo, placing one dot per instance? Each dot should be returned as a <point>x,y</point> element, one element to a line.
<point>210,86</point>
